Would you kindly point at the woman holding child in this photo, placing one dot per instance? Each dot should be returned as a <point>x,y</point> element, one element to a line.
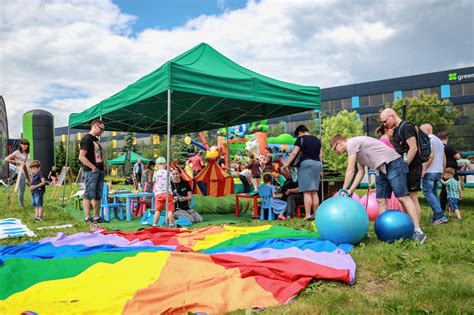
<point>309,168</point>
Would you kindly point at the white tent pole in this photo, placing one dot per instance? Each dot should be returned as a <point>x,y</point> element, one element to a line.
<point>321,139</point>
<point>168,140</point>
<point>67,160</point>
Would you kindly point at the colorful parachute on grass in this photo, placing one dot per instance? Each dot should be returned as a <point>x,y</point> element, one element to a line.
<point>212,270</point>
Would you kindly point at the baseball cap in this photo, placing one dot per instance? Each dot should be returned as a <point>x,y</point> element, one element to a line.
<point>161,160</point>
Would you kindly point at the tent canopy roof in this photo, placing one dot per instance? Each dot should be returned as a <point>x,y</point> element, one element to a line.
<point>209,91</point>
<point>120,160</point>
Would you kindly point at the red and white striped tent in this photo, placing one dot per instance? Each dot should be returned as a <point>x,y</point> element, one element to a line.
<point>213,181</point>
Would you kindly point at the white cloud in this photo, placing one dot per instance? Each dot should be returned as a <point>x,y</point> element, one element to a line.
<point>67,56</point>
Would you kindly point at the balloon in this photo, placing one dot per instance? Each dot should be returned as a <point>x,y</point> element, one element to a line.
<point>392,225</point>
<point>394,204</point>
<point>341,219</point>
<point>369,202</point>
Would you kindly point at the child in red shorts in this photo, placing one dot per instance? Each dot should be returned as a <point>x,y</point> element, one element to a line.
<point>161,179</point>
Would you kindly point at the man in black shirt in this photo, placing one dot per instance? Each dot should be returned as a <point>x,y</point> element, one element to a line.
<point>290,193</point>
<point>92,157</point>
<point>405,142</point>
<point>182,195</point>
<point>452,157</point>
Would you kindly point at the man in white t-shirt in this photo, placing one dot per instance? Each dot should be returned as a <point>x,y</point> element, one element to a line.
<point>432,173</point>
<point>391,172</point>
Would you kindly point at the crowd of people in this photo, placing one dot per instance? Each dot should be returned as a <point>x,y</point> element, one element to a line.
<point>397,156</point>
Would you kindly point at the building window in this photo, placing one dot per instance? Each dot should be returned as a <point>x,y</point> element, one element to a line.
<point>376,99</point>
<point>416,93</point>
<point>407,94</point>
<point>435,90</point>
<point>325,105</point>
<point>346,103</point>
<point>456,90</point>
<point>468,88</point>
<point>364,101</point>
<point>388,98</point>
<point>336,105</point>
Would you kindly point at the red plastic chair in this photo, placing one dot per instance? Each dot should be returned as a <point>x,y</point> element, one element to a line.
<point>139,206</point>
<point>298,211</point>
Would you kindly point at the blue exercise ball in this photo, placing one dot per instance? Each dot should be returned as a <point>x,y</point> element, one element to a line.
<point>341,219</point>
<point>393,225</point>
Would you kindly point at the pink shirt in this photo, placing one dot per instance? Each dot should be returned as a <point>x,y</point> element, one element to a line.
<point>197,162</point>
<point>20,158</point>
<point>384,140</point>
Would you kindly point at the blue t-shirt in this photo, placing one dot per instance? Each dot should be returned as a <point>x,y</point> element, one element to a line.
<point>311,147</point>
<point>35,180</point>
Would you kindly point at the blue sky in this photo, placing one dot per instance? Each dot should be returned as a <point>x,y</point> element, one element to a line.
<point>67,55</point>
<point>167,14</point>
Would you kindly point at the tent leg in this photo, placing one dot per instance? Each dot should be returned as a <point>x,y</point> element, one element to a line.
<point>168,140</point>
<point>320,138</point>
<point>67,160</point>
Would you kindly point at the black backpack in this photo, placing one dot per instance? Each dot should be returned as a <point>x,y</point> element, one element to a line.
<point>422,141</point>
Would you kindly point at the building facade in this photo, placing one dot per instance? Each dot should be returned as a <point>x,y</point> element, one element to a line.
<point>369,98</point>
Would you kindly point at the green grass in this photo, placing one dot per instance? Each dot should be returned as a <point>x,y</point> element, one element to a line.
<point>391,278</point>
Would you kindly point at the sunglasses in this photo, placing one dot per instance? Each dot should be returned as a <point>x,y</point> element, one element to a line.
<point>101,128</point>
<point>335,145</point>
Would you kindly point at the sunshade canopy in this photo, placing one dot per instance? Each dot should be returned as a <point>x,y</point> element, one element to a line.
<point>133,159</point>
<point>209,91</point>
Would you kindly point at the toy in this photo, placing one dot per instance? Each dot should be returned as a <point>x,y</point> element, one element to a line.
<point>392,225</point>
<point>342,219</point>
<point>369,202</point>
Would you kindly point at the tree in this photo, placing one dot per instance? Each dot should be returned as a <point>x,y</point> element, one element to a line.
<point>313,124</point>
<point>74,163</point>
<point>181,151</point>
<point>347,124</point>
<point>441,114</point>
<point>278,129</point>
<point>60,156</point>
<point>129,143</point>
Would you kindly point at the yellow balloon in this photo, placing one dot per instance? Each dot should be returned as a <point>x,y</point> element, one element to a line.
<point>187,140</point>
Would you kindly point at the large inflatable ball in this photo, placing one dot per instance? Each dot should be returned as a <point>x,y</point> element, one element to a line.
<point>369,202</point>
<point>393,225</point>
<point>341,219</point>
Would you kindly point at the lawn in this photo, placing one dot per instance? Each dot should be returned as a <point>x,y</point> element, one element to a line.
<point>403,277</point>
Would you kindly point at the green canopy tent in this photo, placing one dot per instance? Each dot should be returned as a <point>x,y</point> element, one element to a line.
<point>200,89</point>
<point>133,159</point>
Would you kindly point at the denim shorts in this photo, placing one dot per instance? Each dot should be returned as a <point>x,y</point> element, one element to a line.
<point>395,180</point>
<point>94,184</point>
<point>453,203</point>
<point>37,199</point>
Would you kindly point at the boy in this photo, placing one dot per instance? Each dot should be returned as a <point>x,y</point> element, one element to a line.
<point>453,190</point>
<point>278,206</point>
<point>37,187</point>
<point>161,181</point>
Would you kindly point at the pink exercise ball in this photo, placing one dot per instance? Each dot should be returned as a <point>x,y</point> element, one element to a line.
<point>394,204</point>
<point>370,205</point>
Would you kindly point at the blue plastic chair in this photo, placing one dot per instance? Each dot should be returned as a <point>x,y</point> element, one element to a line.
<point>105,205</point>
<point>265,193</point>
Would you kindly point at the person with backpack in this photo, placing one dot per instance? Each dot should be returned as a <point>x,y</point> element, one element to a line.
<point>413,145</point>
